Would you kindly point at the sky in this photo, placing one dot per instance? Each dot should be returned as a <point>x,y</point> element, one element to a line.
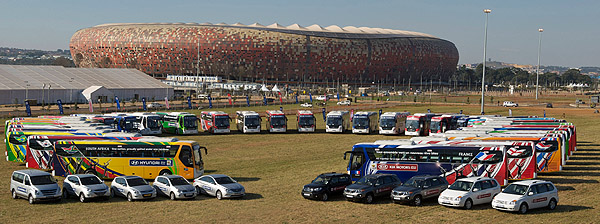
<point>571,32</point>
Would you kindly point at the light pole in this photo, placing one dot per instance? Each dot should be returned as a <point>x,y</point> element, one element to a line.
<point>537,71</point>
<point>487,12</point>
<point>43,88</point>
<point>26,90</point>
<point>71,85</point>
<point>49,95</point>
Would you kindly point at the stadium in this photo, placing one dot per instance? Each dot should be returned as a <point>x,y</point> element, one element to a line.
<point>273,53</point>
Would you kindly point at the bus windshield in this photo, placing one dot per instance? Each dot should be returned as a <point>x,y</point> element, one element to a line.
<point>515,189</point>
<point>334,121</point>
<point>128,123</point>
<point>252,121</point>
<point>178,181</point>
<point>278,121</point>
<point>387,122</point>
<point>136,182</point>
<point>361,122</point>
<point>152,122</point>
<point>412,125</point>
<point>519,152</point>
<point>38,144</point>
<point>42,180</point>
<point>221,121</point>
<point>190,122</point>
<point>306,120</point>
<point>434,126</point>
<point>461,186</point>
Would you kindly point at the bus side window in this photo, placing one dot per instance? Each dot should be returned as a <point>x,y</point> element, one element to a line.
<point>185,155</point>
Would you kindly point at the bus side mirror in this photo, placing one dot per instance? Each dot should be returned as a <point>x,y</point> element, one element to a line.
<point>205,150</point>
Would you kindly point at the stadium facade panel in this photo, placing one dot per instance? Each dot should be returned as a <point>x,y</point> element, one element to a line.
<point>255,52</point>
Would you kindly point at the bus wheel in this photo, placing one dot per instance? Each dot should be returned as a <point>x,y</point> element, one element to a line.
<point>14,194</point>
<point>164,172</point>
<point>90,171</point>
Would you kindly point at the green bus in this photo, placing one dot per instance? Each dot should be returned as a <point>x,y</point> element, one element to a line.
<point>181,123</point>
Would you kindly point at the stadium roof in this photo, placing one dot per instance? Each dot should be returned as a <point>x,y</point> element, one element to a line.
<point>19,76</point>
<point>314,30</point>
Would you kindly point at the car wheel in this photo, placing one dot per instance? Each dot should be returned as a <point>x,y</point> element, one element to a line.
<point>324,197</point>
<point>65,193</point>
<point>468,204</point>
<point>417,201</point>
<point>112,193</point>
<point>219,195</point>
<point>30,199</point>
<point>129,197</point>
<point>523,208</point>
<point>172,196</point>
<point>81,198</point>
<point>198,190</point>
<point>165,172</point>
<point>552,204</point>
<point>369,199</point>
<point>14,194</point>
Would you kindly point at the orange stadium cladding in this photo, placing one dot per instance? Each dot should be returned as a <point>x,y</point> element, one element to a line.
<point>256,52</point>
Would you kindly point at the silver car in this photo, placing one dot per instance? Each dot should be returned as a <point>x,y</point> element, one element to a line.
<point>132,187</point>
<point>34,185</point>
<point>85,186</point>
<point>219,185</point>
<point>174,187</point>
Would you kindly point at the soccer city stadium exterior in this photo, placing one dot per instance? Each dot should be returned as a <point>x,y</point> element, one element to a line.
<point>256,52</point>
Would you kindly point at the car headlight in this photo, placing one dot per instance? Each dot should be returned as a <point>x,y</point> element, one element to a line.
<point>37,192</point>
<point>513,202</point>
<point>88,189</point>
<point>458,198</point>
<point>228,190</point>
<point>136,191</point>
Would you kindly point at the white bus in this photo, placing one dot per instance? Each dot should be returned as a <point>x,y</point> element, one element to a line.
<point>392,123</point>
<point>364,122</point>
<point>306,121</point>
<point>276,121</point>
<point>148,123</point>
<point>337,121</point>
<point>247,121</point>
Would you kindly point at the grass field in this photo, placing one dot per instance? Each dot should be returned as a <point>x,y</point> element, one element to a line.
<point>274,167</point>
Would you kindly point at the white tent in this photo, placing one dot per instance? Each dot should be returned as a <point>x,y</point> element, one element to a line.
<point>275,89</point>
<point>264,89</point>
<point>97,92</point>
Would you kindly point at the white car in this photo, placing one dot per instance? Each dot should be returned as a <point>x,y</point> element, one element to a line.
<point>35,185</point>
<point>306,105</point>
<point>174,187</point>
<point>509,104</point>
<point>219,185</point>
<point>467,192</point>
<point>344,103</point>
<point>528,194</point>
<point>132,187</point>
<point>155,105</point>
<point>85,186</point>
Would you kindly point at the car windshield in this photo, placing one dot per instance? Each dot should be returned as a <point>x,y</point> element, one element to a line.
<point>221,121</point>
<point>177,181</point>
<point>90,180</point>
<point>334,121</point>
<point>413,182</point>
<point>366,180</point>
<point>190,122</point>
<point>252,121</point>
<point>434,126</point>
<point>306,120</point>
<point>412,125</point>
<point>387,122</point>
<point>321,180</point>
<point>42,180</point>
<point>152,122</point>
<point>461,186</point>
<point>224,180</point>
<point>278,120</point>
<point>516,189</point>
<point>361,121</point>
<point>136,182</point>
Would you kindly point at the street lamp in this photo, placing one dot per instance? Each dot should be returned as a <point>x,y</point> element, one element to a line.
<point>26,90</point>
<point>49,95</point>
<point>43,88</point>
<point>487,12</point>
<point>537,71</point>
<point>71,85</point>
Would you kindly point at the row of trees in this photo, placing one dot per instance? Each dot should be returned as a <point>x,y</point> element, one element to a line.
<point>517,77</point>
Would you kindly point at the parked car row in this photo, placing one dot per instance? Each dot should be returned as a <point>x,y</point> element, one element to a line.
<point>36,185</point>
<point>464,193</point>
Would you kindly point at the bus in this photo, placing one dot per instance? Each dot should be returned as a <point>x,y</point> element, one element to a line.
<point>364,122</point>
<point>180,123</point>
<point>276,121</point>
<point>441,124</point>
<point>109,159</point>
<point>147,123</point>
<point>337,121</point>
<point>40,152</point>
<point>450,161</point>
<point>16,142</point>
<point>392,123</point>
<point>215,122</point>
<point>306,121</point>
<point>418,124</point>
<point>247,121</point>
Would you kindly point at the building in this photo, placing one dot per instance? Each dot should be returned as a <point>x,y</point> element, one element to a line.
<point>51,83</point>
<point>271,53</point>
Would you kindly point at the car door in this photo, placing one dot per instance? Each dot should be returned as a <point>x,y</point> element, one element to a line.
<point>478,195</point>
<point>531,195</point>
<point>120,186</point>
<point>161,185</point>
<point>488,190</point>
<point>20,187</point>
<point>428,188</point>
<point>70,185</point>
<point>211,186</point>
<point>542,197</point>
<point>205,184</point>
